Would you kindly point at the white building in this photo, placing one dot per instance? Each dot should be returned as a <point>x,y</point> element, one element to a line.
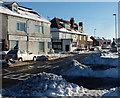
<point>23,27</point>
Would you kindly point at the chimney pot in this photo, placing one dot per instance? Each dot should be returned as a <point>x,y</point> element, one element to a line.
<point>72,23</point>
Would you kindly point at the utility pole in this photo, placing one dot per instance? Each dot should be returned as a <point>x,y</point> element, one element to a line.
<point>115,26</point>
<point>115,30</point>
<point>94,32</point>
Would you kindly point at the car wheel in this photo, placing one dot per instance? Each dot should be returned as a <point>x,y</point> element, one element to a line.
<point>20,59</point>
<point>34,58</point>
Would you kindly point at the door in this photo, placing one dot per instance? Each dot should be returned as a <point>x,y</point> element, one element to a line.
<point>67,48</point>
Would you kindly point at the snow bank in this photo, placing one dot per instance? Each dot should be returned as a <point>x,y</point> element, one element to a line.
<point>77,69</point>
<point>46,84</point>
<point>101,59</point>
<point>113,92</point>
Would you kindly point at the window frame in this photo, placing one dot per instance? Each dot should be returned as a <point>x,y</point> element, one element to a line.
<point>42,47</point>
<point>20,28</point>
<point>39,31</point>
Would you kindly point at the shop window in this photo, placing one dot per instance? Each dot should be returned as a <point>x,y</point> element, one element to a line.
<point>13,44</point>
<point>57,47</point>
<point>41,47</point>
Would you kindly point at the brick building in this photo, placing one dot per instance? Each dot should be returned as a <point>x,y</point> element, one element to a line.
<point>67,35</point>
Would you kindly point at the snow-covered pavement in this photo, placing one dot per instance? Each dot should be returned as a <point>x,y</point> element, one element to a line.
<point>47,84</point>
<point>109,59</point>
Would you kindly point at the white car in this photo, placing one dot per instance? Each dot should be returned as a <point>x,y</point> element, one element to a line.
<point>25,56</point>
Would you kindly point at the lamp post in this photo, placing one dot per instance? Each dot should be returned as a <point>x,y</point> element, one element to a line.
<point>115,26</point>
<point>94,32</point>
<point>115,31</point>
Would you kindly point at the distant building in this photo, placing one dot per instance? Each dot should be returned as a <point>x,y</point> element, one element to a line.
<point>23,27</point>
<point>89,43</point>
<point>67,35</point>
<point>103,42</point>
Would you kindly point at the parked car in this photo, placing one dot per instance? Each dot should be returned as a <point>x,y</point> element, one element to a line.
<point>42,58</point>
<point>22,55</point>
<point>25,56</point>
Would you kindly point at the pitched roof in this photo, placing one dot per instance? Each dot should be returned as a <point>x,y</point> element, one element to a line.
<point>23,12</point>
<point>55,22</point>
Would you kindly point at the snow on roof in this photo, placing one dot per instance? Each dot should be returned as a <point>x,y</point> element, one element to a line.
<point>104,39</point>
<point>65,30</point>
<point>24,13</point>
<point>89,39</point>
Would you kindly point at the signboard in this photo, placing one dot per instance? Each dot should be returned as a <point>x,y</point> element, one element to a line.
<point>15,37</point>
<point>39,39</point>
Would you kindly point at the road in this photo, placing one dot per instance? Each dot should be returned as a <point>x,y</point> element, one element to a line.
<point>13,75</point>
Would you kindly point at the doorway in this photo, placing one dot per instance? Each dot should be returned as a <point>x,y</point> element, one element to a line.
<point>67,48</point>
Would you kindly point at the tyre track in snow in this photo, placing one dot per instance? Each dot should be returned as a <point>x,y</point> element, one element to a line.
<point>12,75</point>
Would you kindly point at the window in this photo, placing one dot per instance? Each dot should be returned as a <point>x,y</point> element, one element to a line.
<point>67,26</point>
<point>41,46</point>
<point>74,44</point>
<point>15,8</point>
<point>13,44</point>
<point>39,29</point>
<point>21,26</point>
<point>57,46</point>
<point>82,46</point>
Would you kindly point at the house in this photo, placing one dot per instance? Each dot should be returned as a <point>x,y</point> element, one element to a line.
<point>89,43</point>
<point>67,35</point>
<point>23,28</point>
<point>102,42</point>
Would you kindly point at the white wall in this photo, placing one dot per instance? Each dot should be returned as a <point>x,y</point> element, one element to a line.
<point>33,45</point>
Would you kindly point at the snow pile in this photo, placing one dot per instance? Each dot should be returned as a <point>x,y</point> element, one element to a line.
<point>77,69</point>
<point>101,59</point>
<point>46,84</point>
<point>113,92</point>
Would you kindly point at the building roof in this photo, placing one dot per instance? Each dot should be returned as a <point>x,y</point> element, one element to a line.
<point>55,27</point>
<point>57,21</point>
<point>23,12</point>
<point>100,39</point>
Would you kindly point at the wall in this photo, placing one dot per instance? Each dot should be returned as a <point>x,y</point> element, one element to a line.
<point>12,28</point>
<point>33,38</point>
<point>66,42</point>
<point>55,35</point>
<point>3,31</point>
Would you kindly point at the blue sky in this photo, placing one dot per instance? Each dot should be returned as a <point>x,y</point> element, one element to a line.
<point>94,15</point>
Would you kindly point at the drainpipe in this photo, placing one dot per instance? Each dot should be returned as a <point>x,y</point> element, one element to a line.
<point>27,35</point>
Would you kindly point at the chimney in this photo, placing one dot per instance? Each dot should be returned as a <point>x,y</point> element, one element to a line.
<point>81,26</point>
<point>72,23</point>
